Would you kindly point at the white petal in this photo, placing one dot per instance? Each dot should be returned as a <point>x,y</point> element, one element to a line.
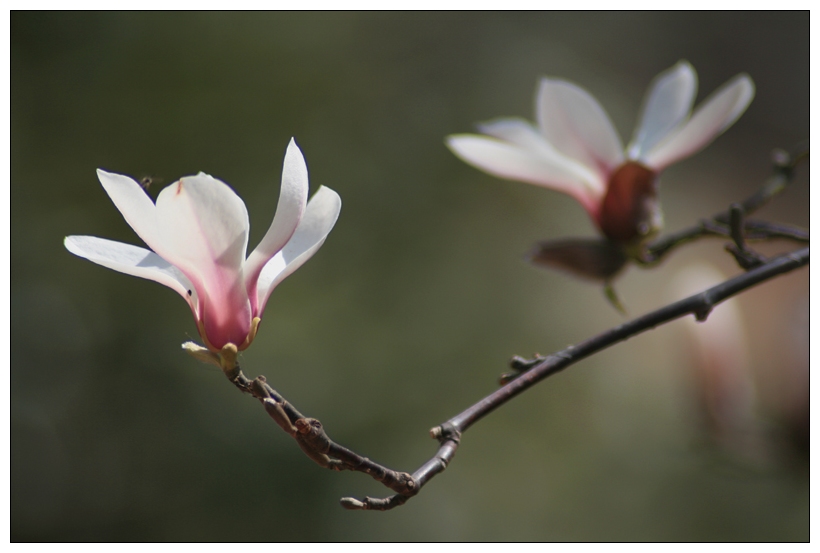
<point>133,260</point>
<point>135,205</point>
<point>577,126</point>
<point>292,200</point>
<point>510,161</point>
<point>519,132</point>
<point>711,118</point>
<point>320,216</point>
<point>204,226</point>
<point>668,103</point>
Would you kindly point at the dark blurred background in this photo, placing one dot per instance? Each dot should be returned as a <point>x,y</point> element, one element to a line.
<point>418,298</point>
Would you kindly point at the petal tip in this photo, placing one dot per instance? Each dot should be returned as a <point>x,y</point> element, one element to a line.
<point>459,142</point>
<point>451,140</point>
<point>68,242</point>
<point>103,174</point>
<point>293,146</point>
<point>295,158</point>
<point>747,84</point>
<point>684,64</point>
<point>327,202</point>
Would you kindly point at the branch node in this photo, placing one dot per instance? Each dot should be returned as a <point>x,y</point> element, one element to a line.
<point>258,388</point>
<point>311,433</point>
<point>519,365</point>
<point>702,313</point>
<point>445,432</point>
<point>746,258</point>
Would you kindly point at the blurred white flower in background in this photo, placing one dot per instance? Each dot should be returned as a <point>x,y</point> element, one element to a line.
<point>574,148</point>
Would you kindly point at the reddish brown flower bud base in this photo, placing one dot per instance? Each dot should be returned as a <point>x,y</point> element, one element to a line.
<point>628,209</point>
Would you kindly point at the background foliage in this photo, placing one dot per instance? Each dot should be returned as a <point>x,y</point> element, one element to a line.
<point>411,309</point>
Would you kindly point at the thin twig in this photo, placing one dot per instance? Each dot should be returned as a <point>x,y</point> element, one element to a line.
<point>719,224</point>
<point>700,305</point>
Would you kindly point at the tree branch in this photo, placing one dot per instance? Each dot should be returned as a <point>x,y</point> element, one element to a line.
<point>733,223</point>
<point>533,371</point>
<point>719,224</point>
<point>311,437</point>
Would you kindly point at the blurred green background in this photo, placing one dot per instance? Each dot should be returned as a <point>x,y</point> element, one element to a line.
<point>413,306</point>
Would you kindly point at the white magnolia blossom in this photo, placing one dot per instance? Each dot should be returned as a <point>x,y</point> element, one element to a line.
<point>575,149</point>
<point>198,231</point>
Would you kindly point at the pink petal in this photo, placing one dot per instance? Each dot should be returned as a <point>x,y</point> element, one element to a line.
<point>292,200</point>
<point>711,118</point>
<point>204,228</point>
<point>668,103</point>
<point>577,126</point>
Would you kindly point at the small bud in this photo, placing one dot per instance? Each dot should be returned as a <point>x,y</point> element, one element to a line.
<point>203,354</point>
<point>227,360</point>
<point>351,503</point>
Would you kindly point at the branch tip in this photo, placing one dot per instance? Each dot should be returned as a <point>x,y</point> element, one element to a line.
<point>373,504</point>
<point>352,504</point>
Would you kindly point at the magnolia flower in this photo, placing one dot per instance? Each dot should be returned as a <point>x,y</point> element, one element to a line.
<point>575,150</point>
<point>198,231</point>
<point>718,351</point>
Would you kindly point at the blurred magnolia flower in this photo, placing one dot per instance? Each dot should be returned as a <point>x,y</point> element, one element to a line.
<point>198,231</point>
<point>574,148</point>
<point>723,382</point>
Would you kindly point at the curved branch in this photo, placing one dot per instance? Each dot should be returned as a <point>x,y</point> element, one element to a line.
<point>533,371</point>
<point>311,437</point>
